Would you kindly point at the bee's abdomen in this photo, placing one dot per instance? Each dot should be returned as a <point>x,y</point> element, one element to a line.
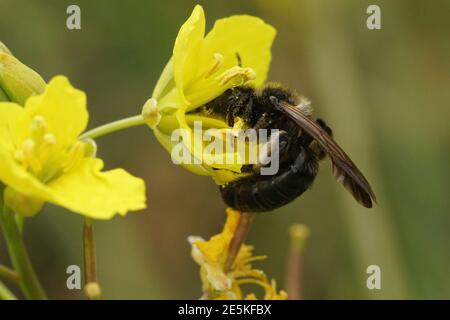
<point>265,193</point>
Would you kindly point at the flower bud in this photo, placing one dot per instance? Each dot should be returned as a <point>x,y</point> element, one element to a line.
<point>17,81</point>
<point>4,49</point>
<point>299,233</point>
<point>93,290</point>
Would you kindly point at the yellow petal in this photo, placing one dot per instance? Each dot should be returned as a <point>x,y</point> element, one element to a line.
<point>215,249</point>
<point>166,142</point>
<point>170,101</point>
<point>4,48</point>
<point>11,116</point>
<point>248,36</point>
<point>207,122</point>
<point>195,253</point>
<point>222,177</point>
<point>216,277</point>
<point>22,204</point>
<point>28,188</point>
<point>250,296</point>
<point>98,195</point>
<point>163,81</point>
<point>63,108</point>
<point>186,49</point>
<point>14,175</point>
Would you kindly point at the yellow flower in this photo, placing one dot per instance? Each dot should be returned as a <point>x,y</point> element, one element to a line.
<point>202,68</point>
<point>42,159</point>
<point>211,255</point>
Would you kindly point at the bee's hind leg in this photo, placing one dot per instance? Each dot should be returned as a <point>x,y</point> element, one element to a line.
<point>325,127</point>
<point>276,146</point>
<point>305,164</point>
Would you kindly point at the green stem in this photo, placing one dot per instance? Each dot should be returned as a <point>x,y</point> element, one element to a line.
<point>5,294</point>
<point>9,274</point>
<point>114,126</point>
<point>29,282</point>
<point>92,287</point>
<point>90,261</point>
<point>245,221</point>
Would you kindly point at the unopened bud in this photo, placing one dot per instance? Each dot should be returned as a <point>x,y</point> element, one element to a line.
<point>299,233</point>
<point>93,290</point>
<point>17,81</point>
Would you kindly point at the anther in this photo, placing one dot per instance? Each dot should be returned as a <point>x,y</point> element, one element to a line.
<point>38,127</point>
<point>29,159</point>
<point>39,120</point>
<point>237,75</point>
<point>46,146</point>
<point>49,139</point>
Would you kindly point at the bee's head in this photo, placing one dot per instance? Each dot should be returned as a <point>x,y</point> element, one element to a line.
<point>273,94</point>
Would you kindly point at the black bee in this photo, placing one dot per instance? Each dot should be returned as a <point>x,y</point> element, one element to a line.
<point>302,143</point>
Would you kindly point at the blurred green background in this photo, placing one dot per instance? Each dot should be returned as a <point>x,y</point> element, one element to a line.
<point>384,92</point>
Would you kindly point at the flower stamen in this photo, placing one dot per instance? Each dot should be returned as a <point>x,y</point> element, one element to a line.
<point>75,156</point>
<point>35,150</point>
<point>27,156</point>
<point>48,141</point>
<point>38,128</point>
<point>237,75</point>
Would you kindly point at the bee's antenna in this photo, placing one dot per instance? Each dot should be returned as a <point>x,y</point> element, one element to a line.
<point>239,60</point>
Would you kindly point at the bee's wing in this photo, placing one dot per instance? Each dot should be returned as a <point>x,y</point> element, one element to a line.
<point>344,169</point>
